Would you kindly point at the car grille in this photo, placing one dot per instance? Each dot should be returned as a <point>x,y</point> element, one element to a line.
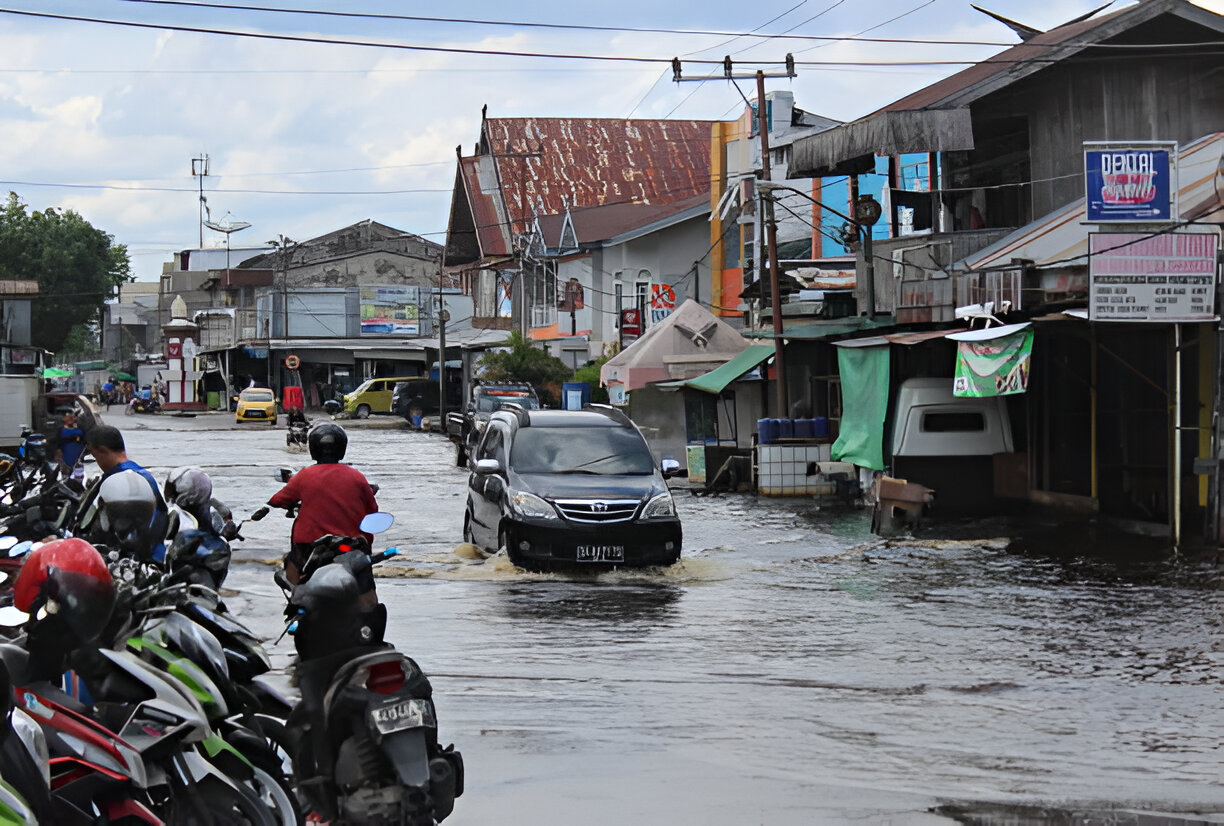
<point>597,510</point>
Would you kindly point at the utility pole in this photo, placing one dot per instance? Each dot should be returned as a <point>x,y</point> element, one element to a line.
<point>199,169</point>
<point>443,317</point>
<point>767,205</point>
<point>771,228</point>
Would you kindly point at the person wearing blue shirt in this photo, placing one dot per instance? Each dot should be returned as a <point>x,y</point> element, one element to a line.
<point>105,444</point>
<point>72,446</point>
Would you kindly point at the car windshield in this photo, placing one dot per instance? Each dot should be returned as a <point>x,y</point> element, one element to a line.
<point>488,404</point>
<point>597,450</point>
<point>257,396</point>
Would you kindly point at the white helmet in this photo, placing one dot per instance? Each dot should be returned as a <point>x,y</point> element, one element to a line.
<point>128,503</point>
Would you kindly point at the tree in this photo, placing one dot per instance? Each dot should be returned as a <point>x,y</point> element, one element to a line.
<point>521,361</point>
<point>589,373</point>
<point>80,341</point>
<point>76,265</point>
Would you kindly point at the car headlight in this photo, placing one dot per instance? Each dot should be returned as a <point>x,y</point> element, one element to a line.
<point>528,504</point>
<point>660,506</point>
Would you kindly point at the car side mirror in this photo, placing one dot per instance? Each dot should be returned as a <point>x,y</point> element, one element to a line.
<point>484,467</point>
<point>670,468</point>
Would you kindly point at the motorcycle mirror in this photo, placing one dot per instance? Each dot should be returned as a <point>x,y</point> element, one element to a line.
<point>7,542</point>
<point>259,514</point>
<point>377,522</point>
<point>3,577</point>
<point>284,473</point>
<point>11,617</point>
<point>20,549</point>
<point>282,580</point>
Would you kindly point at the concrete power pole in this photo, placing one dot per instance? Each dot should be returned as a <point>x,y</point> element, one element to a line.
<point>771,228</point>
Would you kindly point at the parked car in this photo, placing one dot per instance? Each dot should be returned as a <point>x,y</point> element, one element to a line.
<point>422,394</point>
<point>256,404</point>
<point>565,488</point>
<point>465,427</point>
<point>371,396</point>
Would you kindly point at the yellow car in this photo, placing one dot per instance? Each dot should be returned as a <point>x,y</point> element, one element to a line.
<point>256,404</point>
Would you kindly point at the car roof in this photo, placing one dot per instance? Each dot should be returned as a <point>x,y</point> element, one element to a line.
<point>587,417</point>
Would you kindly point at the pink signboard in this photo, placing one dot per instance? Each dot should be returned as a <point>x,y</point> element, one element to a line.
<point>1145,277</point>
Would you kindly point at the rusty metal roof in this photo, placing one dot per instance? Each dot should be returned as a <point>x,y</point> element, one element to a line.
<point>548,165</point>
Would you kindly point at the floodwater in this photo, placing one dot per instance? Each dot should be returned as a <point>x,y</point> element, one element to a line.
<point>791,669</point>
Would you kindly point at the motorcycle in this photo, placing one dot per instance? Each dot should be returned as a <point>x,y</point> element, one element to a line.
<point>139,404</point>
<point>299,425</point>
<point>366,748</point>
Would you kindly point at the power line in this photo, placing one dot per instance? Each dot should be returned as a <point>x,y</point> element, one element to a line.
<point>223,190</point>
<point>596,28</point>
<point>571,56</point>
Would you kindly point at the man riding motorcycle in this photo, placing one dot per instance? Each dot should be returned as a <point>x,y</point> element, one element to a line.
<point>330,497</point>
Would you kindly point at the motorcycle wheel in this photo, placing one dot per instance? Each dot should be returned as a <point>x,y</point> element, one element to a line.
<point>224,803</point>
<point>275,793</point>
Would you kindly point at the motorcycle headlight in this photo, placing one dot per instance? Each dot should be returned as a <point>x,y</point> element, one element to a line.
<point>528,504</point>
<point>660,506</point>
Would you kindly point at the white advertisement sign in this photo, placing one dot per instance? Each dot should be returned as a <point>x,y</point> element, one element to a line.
<point>1142,277</point>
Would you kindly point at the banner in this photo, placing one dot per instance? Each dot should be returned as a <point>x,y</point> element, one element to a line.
<point>389,310</point>
<point>1130,182</point>
<point>992,362</point>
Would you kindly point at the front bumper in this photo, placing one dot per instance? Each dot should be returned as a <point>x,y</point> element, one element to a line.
<point>255,415</point>
<point>555,543</point>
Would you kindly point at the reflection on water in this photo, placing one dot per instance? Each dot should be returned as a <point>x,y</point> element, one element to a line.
<point>588,606</point>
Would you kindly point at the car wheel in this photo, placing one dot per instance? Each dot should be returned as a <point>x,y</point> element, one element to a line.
<point>467,528</point>
<point>363,411</point>
<point>273,422</point>
<point>503,547</point>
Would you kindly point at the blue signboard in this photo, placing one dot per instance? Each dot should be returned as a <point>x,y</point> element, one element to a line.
<point>1131,182</point>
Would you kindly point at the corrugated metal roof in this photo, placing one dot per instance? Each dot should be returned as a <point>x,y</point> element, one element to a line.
<point>548,165</point>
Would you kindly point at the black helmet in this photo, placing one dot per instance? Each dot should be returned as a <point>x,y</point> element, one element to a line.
<point>327,441</point>
<point>205,556</point>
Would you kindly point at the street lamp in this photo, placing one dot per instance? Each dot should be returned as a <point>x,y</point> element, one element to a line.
<point>867,211</point>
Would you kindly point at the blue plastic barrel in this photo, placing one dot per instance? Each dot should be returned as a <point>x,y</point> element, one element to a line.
<point>820,427</point>
<point>805,428</point>
<point>767,431</point>
<point>786,428</point>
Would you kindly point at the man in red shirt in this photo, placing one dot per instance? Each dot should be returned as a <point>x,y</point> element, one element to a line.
<point>331,498</point>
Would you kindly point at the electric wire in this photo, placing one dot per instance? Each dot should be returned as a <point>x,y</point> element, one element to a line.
<point>629,29</point>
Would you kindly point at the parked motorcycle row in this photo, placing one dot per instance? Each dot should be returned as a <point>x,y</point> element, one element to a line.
<point>129,693</point>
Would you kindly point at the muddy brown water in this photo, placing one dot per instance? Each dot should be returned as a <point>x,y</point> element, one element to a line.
<point>791,669</point>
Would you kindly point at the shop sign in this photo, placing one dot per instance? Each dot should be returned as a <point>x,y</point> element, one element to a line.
<point>390,311</point>
<point>630,326</point>
<point>1144,277</point>
<point>1129,182</point>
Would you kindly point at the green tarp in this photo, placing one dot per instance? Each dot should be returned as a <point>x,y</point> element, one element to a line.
<point>718,378</point>
<point>56,373</point>
<point>864,386</point>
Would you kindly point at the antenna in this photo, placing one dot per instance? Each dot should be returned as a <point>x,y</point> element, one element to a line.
<point>199,169</point>
<point>228,227</point>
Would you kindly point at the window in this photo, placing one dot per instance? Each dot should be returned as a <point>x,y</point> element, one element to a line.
<point>585,450</point>
<point>956,422</point>
<point>493,446</point>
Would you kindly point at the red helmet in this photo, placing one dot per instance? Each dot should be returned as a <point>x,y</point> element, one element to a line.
<point>73,575</point>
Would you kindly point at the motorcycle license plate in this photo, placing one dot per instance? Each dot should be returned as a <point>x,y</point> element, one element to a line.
<point>402,715</point>
<point>601,553</point>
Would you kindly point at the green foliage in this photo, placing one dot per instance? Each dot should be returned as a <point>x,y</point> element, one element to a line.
<point>80,340</point>
<point>76,265</point>
<point>589,373</point>
<point>522,361</point>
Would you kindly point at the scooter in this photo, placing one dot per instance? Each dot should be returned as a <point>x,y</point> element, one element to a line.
<point>367,733</point>
<point>299,425</point>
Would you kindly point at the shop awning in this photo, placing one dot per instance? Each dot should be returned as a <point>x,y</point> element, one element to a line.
<point>717,379</point>
<point>904,339</point>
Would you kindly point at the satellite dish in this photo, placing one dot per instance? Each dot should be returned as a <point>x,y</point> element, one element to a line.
<point>227,227</point>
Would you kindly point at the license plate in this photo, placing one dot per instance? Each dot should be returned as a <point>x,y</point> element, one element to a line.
<point>406,714</point>
<point>253,414</point>
<point>601,553</point>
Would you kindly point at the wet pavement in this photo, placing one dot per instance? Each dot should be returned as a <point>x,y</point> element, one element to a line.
<point>791,669</point>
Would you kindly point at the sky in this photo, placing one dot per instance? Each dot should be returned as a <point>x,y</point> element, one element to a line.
<point>304,138</point>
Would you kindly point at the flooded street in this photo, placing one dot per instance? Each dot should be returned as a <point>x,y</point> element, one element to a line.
<point>791,669</point>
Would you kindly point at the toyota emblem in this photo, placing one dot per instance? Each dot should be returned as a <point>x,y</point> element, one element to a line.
<point>599,507</point>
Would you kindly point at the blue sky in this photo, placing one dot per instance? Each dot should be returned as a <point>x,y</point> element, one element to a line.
<point>289,127</point>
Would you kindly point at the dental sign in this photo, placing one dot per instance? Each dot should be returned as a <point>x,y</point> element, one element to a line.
<point>1131,182</point>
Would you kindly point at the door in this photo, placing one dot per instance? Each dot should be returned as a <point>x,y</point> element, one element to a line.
<point>486,490</point>
<point>379,396</point>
